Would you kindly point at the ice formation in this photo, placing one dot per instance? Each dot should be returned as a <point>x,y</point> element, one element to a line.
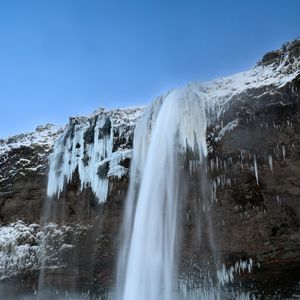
<point>210,292</point>
<point>255,168</point>
<point>270,159</point>
<point>226,275</point>
<point>92,146</point>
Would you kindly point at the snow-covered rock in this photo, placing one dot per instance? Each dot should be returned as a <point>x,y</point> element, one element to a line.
<point>44,135</point>
<point>27,247</point>
<point>26,153</point>
<point>19,248</point>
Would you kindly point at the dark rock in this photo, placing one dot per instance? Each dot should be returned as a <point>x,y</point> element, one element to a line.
<point>103,170</point>
<point>270,57</point>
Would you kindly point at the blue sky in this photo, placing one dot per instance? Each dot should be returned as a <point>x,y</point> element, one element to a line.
<point>66,57</point>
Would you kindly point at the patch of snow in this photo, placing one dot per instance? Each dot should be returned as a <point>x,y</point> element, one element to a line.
<point>26,152</point>
<point>43,135</point>
<point>229,127</point>
<point>219,92</point>
<point>25,247</point>
<point>35,168</point>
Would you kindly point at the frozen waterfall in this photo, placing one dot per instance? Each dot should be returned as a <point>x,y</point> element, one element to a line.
<point>93,147</point>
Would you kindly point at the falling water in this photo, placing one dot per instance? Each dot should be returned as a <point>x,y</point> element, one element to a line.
<point>147,261</point>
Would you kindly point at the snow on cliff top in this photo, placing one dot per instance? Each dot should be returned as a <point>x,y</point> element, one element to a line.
<point>277,68</point>
<point>119,116</point>
<point>44,135</point>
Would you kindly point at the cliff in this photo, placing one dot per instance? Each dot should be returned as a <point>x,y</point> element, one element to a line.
<point>253,139</point>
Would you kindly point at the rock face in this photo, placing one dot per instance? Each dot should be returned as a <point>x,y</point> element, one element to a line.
<point>23,175</point>
<point>253,165</point>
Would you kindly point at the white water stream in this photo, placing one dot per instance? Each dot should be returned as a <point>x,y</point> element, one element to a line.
<point>147,262</point>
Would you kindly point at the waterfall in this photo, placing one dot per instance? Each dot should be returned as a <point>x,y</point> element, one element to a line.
<point>173,125</point>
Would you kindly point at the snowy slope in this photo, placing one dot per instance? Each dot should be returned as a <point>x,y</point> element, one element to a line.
<point>26,153</point>
<point>275,73</point>
<point>44,135</point>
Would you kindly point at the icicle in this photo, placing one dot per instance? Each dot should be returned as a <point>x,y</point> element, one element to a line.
<point>283,151</point>
<point>278,199</point>
<point>271,163</point>
<point>211,164</point>
<point>255,169</point>
<point>242,159</point>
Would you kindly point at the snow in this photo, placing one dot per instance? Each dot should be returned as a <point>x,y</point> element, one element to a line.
<point>229,127</point>
<point>43,135</point>
<point>25,153</point>
<point>219,92</point>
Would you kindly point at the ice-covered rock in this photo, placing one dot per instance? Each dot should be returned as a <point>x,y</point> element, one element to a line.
<point>19,248</point>
<point>95,146</point>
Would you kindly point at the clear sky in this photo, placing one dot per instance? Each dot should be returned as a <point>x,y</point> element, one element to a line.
<point>68,57</point>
